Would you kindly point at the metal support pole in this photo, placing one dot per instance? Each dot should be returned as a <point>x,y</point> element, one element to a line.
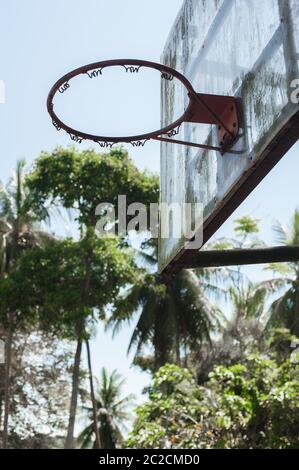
<point>217,258</point>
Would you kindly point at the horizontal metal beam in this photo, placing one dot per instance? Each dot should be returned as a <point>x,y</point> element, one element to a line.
<point>217,258</point>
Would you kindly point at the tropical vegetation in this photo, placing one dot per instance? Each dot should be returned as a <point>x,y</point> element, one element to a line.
<point>221,350</point>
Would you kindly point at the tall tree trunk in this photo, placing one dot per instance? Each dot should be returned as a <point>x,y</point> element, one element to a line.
<point>185,354</point>
<point>86,288</point>
<point>69,443</point>
<point>2,374</point>
<point>177,347</point>
<point>93,400</point>
<point>161,346</point>
<point>8,351</point>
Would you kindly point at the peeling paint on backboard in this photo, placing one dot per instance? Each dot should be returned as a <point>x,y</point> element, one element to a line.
<point>245,48</point>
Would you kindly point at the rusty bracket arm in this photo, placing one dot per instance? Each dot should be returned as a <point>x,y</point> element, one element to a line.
<point>219,110</point>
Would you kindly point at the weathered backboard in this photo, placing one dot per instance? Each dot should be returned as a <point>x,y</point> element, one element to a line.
<point>243,48</point>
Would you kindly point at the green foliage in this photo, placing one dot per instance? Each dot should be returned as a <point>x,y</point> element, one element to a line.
<point>246,229</point>
<point>174,315</point>
<point>246,400</point>
<point>288,235</point>
<point>73,281</point>
<point>171,408</point>
<point>281,343</point>
<point>82,180</point>
<point>150,294</point>
<point>249,300</point>
<point>13,196</point>
<point>246,225</point>
<point>49,284</point>
<point>19,230</point>
<point>284,311</point>
<point>250,405</point>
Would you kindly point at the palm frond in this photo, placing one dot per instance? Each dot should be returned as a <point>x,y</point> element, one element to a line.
<point>144,328</point>
<point>281,233</point>
<point>111,411</point>
<point>294,235</point>
<point>284,312</point>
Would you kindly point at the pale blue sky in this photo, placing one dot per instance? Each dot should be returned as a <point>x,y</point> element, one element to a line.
<point>42,40</point>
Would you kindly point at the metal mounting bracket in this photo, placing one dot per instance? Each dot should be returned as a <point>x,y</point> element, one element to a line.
<point>219,110</point>
<point>212,109</point>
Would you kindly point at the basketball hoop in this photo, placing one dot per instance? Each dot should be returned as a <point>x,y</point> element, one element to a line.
<point>209,109</point>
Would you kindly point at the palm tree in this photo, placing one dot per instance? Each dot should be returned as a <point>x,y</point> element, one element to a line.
<point>174,315</point>
<point>18,231</point>
<point>18,227</point>
<point>248,307</point>
<point>242,331</point>
<point>248,300</point>
<point>284,311</point>
<point>112,413</point>
<point>243,327</point>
